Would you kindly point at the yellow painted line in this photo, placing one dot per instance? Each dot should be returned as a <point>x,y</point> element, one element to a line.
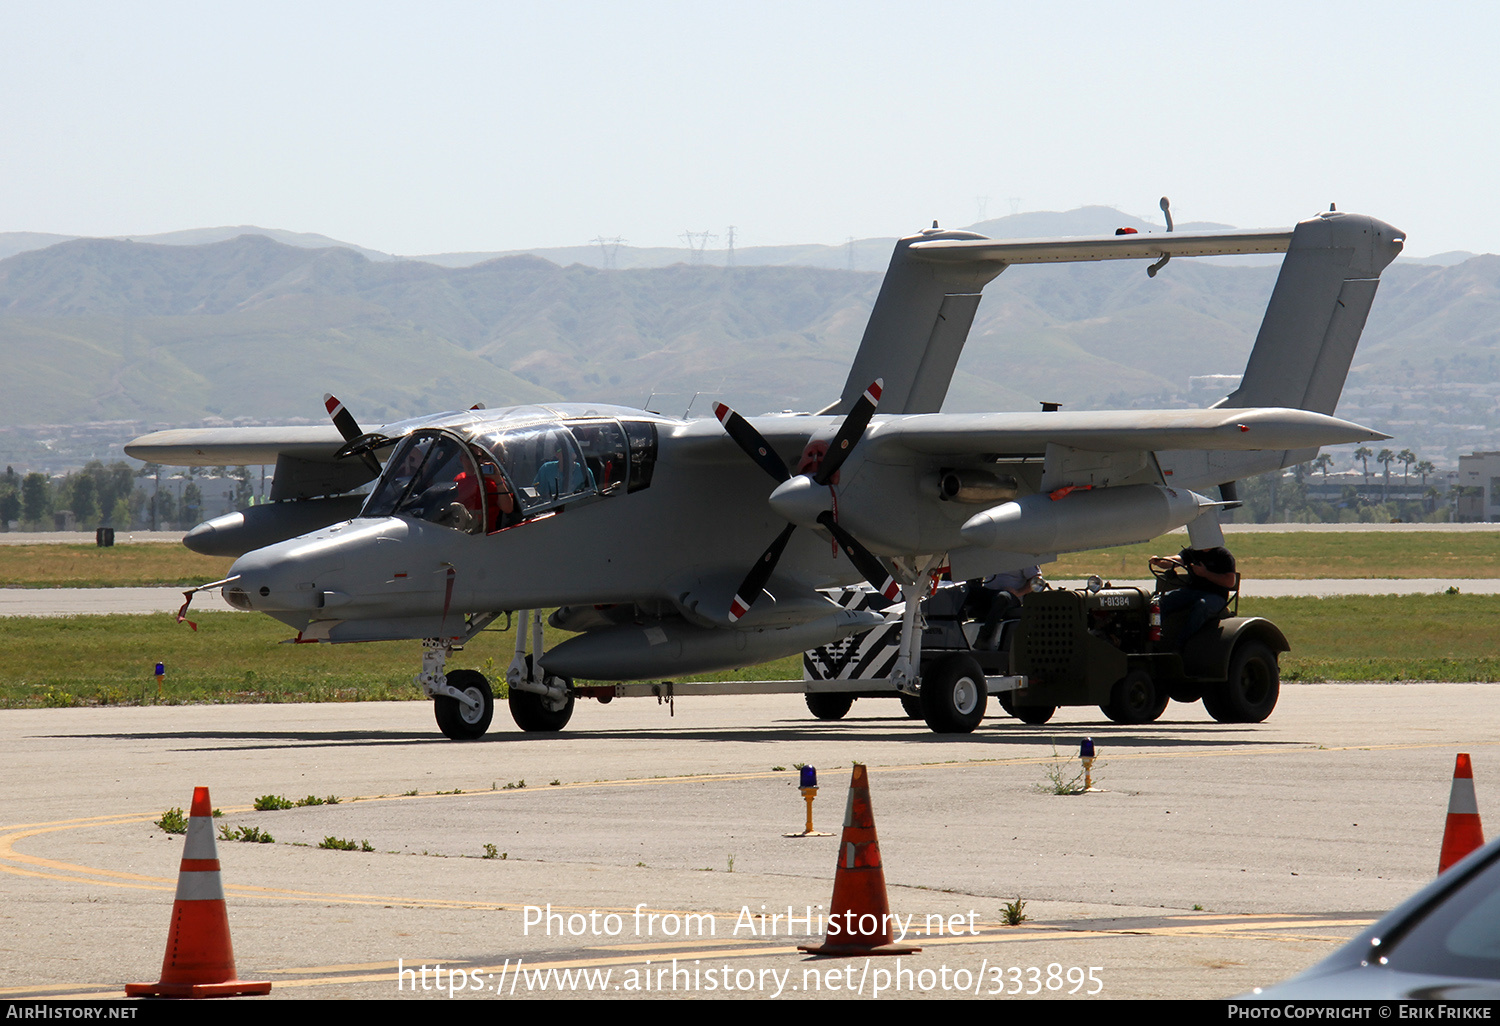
<point>1249,927</point>
<point>360,966</point>
<point>61,988</point>
<point>641,955</point>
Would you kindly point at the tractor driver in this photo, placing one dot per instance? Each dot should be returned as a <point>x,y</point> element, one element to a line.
<point>1004,592</point>
<point>1205,593</point>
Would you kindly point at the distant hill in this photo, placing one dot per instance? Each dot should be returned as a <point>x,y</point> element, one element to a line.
<point>859,254</point>
<point>12,243</point>
<point>94,330</point>
<point>855,255</point>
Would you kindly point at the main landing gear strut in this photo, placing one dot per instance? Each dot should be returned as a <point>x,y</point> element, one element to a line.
<point>463,702</point>
<point>538,702</point>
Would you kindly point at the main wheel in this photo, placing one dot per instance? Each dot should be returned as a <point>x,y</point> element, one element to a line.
<point>954,695</point>
<point>1035,715</point>
<point>455,719</point>
<point>1135,698</point>
<point>536,713</point>
<point>1253,687</point>
<point>828,705</point>
<point>912,705</point>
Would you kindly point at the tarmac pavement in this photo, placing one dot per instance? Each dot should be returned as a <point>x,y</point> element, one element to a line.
<point>1215,858</point>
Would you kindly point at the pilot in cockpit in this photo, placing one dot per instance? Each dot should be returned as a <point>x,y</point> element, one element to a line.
<point>561,474</point>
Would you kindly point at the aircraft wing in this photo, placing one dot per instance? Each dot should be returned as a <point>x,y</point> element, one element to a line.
<point>939,434</point>
<point>306,464</point>
<point>236,447</point>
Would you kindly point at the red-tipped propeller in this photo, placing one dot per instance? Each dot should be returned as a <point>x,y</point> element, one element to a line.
<point>759,450</point>
<point>356,443</point>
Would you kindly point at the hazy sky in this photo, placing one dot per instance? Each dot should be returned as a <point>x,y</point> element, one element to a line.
<point>429,127</point>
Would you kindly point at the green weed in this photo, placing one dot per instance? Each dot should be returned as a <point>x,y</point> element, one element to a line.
<point>173,822</point>
<point>313,799</point>
<point>341,844</point>
<point>273,803</point>
<point>1060,778</point>
<point>1014,912</point>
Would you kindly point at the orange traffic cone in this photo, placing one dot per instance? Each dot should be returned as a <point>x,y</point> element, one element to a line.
<point>1463,833</point>
<point>859,917</point>
<point>199,960</point>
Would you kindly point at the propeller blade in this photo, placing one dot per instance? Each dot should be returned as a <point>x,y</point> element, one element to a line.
<point>750,440</point>
<point>863,559</point>
<point>755,581</point>
<point>344,421</point>
<point>849,432</point>
<point>342,418</point>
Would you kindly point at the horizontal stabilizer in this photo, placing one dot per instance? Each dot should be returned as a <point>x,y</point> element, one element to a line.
<point>1138,246</point>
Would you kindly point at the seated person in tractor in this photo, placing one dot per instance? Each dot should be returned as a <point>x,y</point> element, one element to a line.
<point>1001,596</point>
<point>1204,591</point>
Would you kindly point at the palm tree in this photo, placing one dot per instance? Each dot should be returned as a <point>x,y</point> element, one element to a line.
<point>1362,456</point>
<point>1407,458</point>
<point>1425,467</point>
<point>1323,462</point>
<point>1386,457</point>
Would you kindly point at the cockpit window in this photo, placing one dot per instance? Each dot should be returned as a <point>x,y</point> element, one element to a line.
<point>431,477</point>
<point>544,464</point>
<point>642,453</point>
<point>605,453</point>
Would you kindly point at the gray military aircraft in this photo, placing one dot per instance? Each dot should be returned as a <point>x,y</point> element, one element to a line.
<point>673,546</point>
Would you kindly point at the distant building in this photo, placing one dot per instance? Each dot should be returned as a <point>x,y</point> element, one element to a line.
<point>1480,470</point>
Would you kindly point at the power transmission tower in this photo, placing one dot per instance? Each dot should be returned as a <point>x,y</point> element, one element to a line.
<point>850,246</point>
<point>696,242</point>
<point>729,259</point>
<point>609,248</point>
<point>984,202</point>
<point>1015,205</point>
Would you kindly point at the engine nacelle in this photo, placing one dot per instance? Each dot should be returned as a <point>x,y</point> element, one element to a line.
<point>235,534</point>
<point>673,647</point>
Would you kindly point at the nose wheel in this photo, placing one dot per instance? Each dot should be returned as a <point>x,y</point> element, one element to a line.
<point>465,721</point>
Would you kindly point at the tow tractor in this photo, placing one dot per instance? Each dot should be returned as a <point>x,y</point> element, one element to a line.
<point>1098,644</point>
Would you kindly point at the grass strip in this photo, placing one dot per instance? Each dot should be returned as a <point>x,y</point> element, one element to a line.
<point>1306,555</point>
<point>1289,556</point>
<point>145,565</point>
<point>236,657</point>
<point>233,657</point>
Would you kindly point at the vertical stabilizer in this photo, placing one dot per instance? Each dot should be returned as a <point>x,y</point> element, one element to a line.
<point>1317,312</point>
<point>918,328</point>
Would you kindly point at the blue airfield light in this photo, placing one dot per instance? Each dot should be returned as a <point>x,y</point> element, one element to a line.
<point>1086,750</point>
<point>809,776</point>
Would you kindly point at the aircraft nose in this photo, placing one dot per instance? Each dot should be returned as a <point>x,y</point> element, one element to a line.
<point>288,577</point>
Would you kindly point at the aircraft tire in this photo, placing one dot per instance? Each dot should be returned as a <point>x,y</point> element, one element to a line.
<point>1136,698</point>
<point>828,705</point>
<point>456,720</point>
<point>912,705</point>
<point>1035,715</point>
<point>531,712</point>
<point>954,695</point>
<point>1253,687</point>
